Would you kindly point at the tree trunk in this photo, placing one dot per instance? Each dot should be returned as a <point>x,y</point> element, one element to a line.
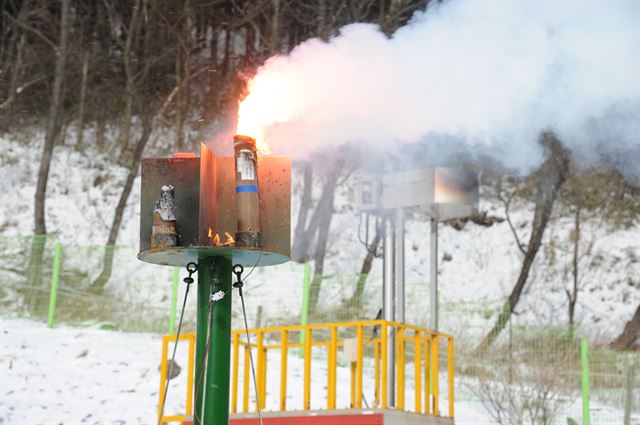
<point>52,129</point>
<point>107,263</point>
<point>53,122</point>
<point>101,129</point>
<point>356,298</point>
<point>319,256</point>
<point>179,117</point>
<point>573,295</point>
<point>274,40</point>
<point>323,29</point>
<point>83,97</point>
<point>129,71</point>
<point>629,339</point>
<point>321,223</point>
<point>552,175</point>
<point>299,249</point>
<point>16,73</point>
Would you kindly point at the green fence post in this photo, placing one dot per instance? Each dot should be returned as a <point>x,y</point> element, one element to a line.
<point>55,278</point>
<point>584,357</point>
<point>304,314</point>
<point>174,300</point>
<point>628,399</point>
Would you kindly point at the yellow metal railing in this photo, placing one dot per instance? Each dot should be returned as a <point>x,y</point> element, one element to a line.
<point>191,339</point>
<point>414,346</point>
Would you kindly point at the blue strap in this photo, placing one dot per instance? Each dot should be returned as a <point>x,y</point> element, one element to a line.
<point>246,188</point>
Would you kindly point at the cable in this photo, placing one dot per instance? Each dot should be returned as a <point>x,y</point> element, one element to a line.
<point>266,218</point>
<point>237,270</point>
<point>203,364</point>
<point>191,268</point>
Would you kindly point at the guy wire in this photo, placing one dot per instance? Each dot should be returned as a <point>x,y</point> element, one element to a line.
<point>175,349</point>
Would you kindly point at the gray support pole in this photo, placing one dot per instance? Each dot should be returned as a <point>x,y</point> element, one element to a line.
<point>433,299</point>
<point>389,305</point>
<point>400,317</point>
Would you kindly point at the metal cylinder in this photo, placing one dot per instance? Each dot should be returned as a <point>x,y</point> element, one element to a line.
<point>212,385</point>
<point>247,197</point>
<point>433,297</point>
<point>399,266</point>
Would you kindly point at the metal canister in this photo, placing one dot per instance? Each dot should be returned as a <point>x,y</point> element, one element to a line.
<point>247,196</point>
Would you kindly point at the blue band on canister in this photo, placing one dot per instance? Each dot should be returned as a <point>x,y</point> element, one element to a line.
<point>246,188</point>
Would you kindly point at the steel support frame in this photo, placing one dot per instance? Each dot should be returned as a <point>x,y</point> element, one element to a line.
<point>388,309</point>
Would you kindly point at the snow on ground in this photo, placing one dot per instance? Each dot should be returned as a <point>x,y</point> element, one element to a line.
<point>116,381</point>
<point>90,376</point>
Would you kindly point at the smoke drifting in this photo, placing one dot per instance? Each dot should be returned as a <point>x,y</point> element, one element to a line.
<point>488,74</point>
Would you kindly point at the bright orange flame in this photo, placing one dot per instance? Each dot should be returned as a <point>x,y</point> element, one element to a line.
<point>230,240</point>
<point>269,102</point>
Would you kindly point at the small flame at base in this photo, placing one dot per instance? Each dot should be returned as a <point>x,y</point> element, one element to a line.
<point>229,241</point>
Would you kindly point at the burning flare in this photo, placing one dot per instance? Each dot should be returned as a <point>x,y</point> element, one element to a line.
<point>270,101</point>
<point>229,241</point>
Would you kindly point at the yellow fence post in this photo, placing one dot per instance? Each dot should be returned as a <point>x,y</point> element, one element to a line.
<point>352,387</point>
<point>427,374</point>
<point>359,366</point>
<point>234,376</point>
<point>192,360</point>
<point>307,369</point>
<point>425,357</point>
<point>263,379</point>
<point>284,352</point>
<point>434,374</point>
<point>331,372</point>
<point>417,362</point>
<point>163,373</point>
<point>400,366</point>
<point>385,353</point>
<point>376,361</point>
<point>260,349</point>
<point>450,373</point>
<point>245,382</point>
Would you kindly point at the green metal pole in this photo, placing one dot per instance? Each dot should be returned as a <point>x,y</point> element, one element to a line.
<point>174,300</point>
<point>216,404</point>
<point>55,278</point>
<point>204,294</point>
<point>304,314</point>
<point>584,356</point>
<point>628,400</point>
<point>212,385</point>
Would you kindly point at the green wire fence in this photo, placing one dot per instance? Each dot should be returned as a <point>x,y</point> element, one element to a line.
<point>42,279</point>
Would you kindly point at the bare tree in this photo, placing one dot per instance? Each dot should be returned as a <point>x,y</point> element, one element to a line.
<point>320,226</point>
<point>367,263</point>
<point>150,121</point>
<point>551,177</point>
<point>51,132</point>
<point>629,339</point>
<point>530,386</point>
<point>301,234</point>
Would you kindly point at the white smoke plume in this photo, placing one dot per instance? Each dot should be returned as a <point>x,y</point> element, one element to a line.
<point>489,74</point>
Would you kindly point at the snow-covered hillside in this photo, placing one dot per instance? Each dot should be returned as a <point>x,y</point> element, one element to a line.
<point>482,263</point>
